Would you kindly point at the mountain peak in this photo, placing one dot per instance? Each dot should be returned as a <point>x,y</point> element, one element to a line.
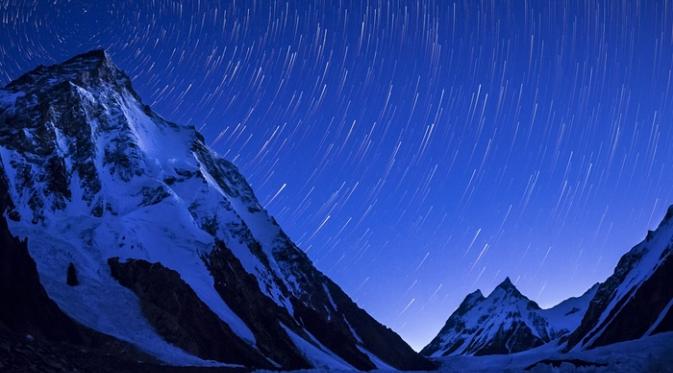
<point>506,289</point>
<point>471,300</point>
<point>98,54</point>
<point>91,60</point>
<point>475,294</point>
<point>506,285</point>
<point>505,321</point>
<point>88,68</point>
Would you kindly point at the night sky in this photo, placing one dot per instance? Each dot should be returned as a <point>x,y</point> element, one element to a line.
<point>415,150</point>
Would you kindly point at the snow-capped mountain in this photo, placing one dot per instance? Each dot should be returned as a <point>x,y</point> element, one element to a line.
<point>622,324</point>
<point>504,322</point>
<point>141,232</point>
<point>637,299</point>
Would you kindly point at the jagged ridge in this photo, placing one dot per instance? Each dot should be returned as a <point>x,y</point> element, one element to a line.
<point>636,301</point>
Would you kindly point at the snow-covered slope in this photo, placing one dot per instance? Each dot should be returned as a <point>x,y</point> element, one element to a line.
<point>97,180</point>
<point>504,322</point>
<point>637,299</point>
<point>567,315</point>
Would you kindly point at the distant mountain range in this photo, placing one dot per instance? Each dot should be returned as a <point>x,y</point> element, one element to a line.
<point>505,322</point>
<point>126,244</point>
<point>635,302</point>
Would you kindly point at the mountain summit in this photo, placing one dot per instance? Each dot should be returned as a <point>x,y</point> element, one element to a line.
<point>141,232</point>
<point>504,322</point>
<point>507,286</point>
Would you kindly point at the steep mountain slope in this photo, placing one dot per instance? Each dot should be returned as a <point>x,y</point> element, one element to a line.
<point>36,336</point>
<point>637,299</point>
<point>134,224</point>
<point>504,322</point>
<point>26,308</point>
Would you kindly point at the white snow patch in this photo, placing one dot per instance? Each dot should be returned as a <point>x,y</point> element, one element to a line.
<point>568,314</point>
<point>317,355</point>
<point>380,364</point>
<point>353,332</point>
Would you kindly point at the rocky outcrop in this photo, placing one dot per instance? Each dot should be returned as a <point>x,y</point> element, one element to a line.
<point>180,316</point>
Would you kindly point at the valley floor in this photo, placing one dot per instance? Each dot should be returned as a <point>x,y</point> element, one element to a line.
<point>650,354</point>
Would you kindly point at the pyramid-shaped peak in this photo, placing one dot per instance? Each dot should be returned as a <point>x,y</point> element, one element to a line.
<point>507,290</point>
<point>506,284</point>
<point>507,287</point>
<point>83,69</point>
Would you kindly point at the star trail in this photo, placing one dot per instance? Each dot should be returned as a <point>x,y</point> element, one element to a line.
<point>415,150</point>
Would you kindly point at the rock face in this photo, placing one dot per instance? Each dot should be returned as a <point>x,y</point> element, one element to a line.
<point>504,322</point>
<point>179,316</point>
<point>637,299</point>
<point>91,173</point>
